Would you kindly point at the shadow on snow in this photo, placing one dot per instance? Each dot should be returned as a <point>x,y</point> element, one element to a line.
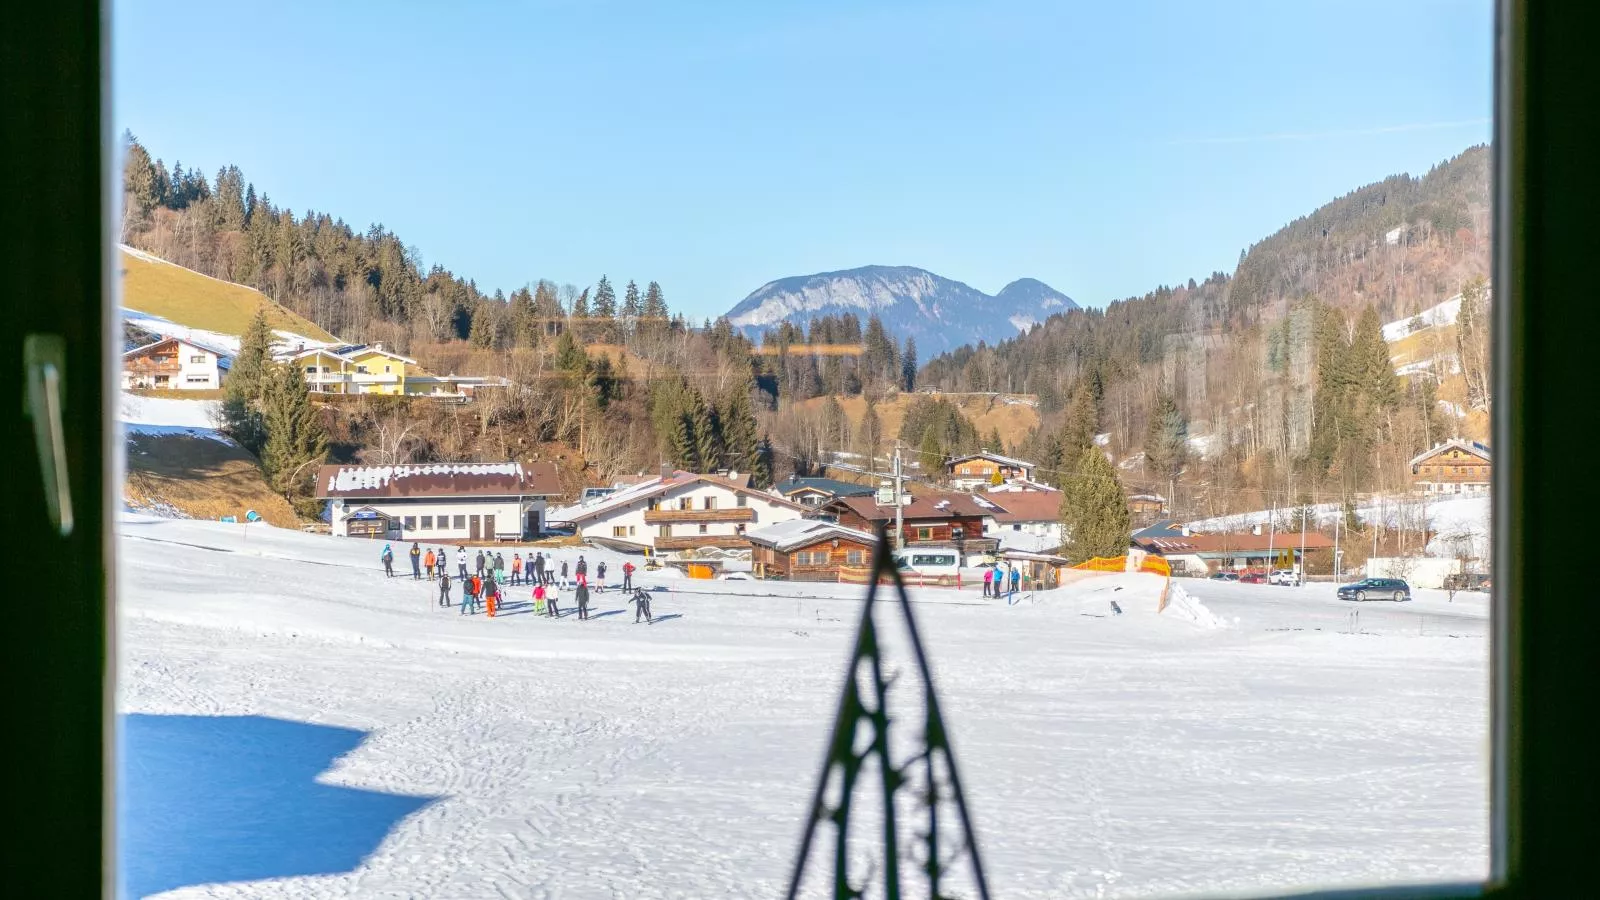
<point>203,799</point>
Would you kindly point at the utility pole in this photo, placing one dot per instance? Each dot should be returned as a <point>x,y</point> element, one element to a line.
<point>1337,516</point>
<point>1300,575</point>
<point>1272,532</point>
<point>899,506</point>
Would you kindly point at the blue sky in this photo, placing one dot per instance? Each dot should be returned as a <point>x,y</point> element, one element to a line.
<point>716,146</point>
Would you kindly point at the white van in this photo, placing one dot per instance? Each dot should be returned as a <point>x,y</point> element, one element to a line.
<point>929,562</point>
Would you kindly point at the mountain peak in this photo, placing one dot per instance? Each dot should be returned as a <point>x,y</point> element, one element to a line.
<point>939,312</point>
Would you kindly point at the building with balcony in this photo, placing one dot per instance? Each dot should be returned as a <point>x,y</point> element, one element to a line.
<point>817,491</point>
<point>445,503</point>
<point>677,511</point>
<point>1453,467</point>
<point>353,369</point>
<point>930,519</point>
<point>175,364</point>
<point>809,550</point>
<point>979,470</point>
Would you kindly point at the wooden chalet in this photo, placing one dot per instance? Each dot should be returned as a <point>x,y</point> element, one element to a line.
<point>931,519</point>
<point>808,550</point>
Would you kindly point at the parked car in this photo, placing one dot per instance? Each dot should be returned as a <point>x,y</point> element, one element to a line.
<point>1224,576</point>
<point>1284,576</point>
<point>1253,578</point>
<point>1376,589</point>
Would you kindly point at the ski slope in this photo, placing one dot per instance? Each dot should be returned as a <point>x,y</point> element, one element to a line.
<point>297,725</point>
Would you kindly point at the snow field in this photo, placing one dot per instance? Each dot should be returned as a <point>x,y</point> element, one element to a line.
<point>1103,755</point>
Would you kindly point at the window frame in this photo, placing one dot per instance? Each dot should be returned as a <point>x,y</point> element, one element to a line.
<point>1543,822</point>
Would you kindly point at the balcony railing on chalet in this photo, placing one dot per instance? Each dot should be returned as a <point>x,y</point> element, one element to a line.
<point>147,365</point>
<point>670,516</point>
<point>698,541</point>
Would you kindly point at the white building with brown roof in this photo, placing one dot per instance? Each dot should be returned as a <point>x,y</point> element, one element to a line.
<point>678,511</point>
<point>175,364</point>
<point>450,502</point>
<point>1024,520</point>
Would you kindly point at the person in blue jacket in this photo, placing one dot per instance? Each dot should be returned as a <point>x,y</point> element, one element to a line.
<point>388,560</point>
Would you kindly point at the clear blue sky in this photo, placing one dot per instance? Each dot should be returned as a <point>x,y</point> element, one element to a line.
<point>1104,148</point>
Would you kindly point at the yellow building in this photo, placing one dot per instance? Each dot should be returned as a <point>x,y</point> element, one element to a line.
<point>354,369</point>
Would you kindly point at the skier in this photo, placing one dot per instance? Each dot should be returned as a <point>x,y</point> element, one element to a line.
<point>444,588</point>
<point>499,567</point>
<point>550,604</point>
<point>1016,579</point>
<point>470,595</point>
<point>988,581</point>
<point>641,606</point>
<point>516,568</point>
<point>538,600</point>
<point>582,567</point>
<point>427,563</point>
<point>416,561</point>
<point>563,573</point>
<point>480,562</point>
<point>461,560</point>
<point>582,597</point>
<point>491,594</point>
<point>388,560</point>
<point>536,565</point>
<point>600,578</point>
<point>627,576</point>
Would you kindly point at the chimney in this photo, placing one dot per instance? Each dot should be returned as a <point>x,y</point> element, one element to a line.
<point>666,471</point>
<point>377,345</point>
<point>1185,531</point>
<point>1256,529</point>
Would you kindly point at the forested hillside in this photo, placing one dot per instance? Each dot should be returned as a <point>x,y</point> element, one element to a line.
<point>1273,384</point>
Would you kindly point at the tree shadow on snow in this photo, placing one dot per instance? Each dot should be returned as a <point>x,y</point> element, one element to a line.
<point>204,799</point>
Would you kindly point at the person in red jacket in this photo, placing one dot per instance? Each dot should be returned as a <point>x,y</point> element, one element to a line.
<point>627,576</point>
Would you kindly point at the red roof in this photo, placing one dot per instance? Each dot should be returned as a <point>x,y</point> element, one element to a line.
<point>511,479</point>
<point>1025,506</point>
<point>1243,543</point>
<point>934,505</point>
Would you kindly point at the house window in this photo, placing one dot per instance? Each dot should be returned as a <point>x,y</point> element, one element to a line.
<point>854,558</point>
<point>686,503</point>
<point>427,523</point>
<point>386,370</point>
<point>411,523</point>
<point>702,528</point>
<point>198,358</point>
<point>361,370</point>
<point>461,522</point>
<point>619,531</point>
<point>311,370</point>
<point>633,530</point>
<point>1016,526</point>
<point>198,379</point>
<point>710,503</point>
<point>924,534</point>
<point>664,531</point>
<point>741,501</point>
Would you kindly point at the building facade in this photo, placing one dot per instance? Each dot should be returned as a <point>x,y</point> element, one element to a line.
<point>1453,467</point>
<point>353,369</point>
<point>817,491</point>
<point>678,511</point>
<point>453,503</point>
<point>1024,520</point>
<point>978,470</point>
<point>809,550</point>
<point>175,364</point>
<point>931,519</point>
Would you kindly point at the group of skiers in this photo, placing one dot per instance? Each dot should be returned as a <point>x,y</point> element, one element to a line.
<point>484,585</point>
<point>994,580</point>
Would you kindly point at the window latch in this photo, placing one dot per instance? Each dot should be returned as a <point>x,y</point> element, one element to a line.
<point>44,360</point>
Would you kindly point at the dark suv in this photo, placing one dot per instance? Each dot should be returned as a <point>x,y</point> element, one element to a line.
<point>1376,589</point>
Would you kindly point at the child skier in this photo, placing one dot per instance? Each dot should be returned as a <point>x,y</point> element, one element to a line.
<point>427,563</point>
<point>461,560</point>
<point>516,568</point>
<point>641,606</point>
<point>600,578</point>
<point>988,581</point>
<point>444,588</point>
<point>388,560</point>
<point>538,600</point>
<point>627,576</point>
<point>416,562</point>
<point>491,594</point>
<point>551,604</point>
<point>563,573</point>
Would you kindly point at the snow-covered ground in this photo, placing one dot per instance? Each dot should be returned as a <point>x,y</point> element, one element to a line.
<point>1453,520</point>
<point>286,341</point>
<point>140,414</point>
<point>294,724</point>
<point>1444,313</point>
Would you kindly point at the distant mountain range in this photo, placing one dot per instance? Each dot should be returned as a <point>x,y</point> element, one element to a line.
<point>941,314</point>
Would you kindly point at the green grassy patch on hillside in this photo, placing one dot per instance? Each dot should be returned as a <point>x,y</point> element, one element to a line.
<point>189,298</point>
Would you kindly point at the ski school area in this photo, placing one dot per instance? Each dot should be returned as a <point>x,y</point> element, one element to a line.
<point>294,722</point>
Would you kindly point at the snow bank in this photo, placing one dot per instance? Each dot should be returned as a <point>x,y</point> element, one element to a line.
<point>1445,313</point>
<point>140,410</point>
<point>1453,520</point>
<point>1183,605</point>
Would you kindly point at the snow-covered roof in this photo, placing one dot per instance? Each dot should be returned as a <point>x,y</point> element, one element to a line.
<point>224,355</point>
<point>625,497</point>
<point>350,352</point>
<point>992,457</point>
<point>1472,447</point>
<point>509,479</point>
<point>797,533</point>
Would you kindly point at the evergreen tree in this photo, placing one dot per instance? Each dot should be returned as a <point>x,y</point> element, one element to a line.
<point>296,440</point>
<point>604,311</point>
<point>569,356</point>
<point>682,445</point>
<point>703,430</point>
<point>1094,511</point>
<point>139,178</point>
<point>1332,417</point>
<point>1166,442</point>
<point>908,366</point>
<point>870,437</point>
<point>580,306</point>
<point>632,309</point>
<point>761,467</point>
<point>931,453</point>
<point>230,197</point>
<point>482,334</point>
<point>740,433</point>
<point>1080,425</point>
<point>245,385</point>
<point>1375,366</point>
<point>994,443</point>
<point>655,307</point>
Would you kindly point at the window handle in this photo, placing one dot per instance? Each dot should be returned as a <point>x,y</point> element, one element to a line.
<point>44,358</point>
